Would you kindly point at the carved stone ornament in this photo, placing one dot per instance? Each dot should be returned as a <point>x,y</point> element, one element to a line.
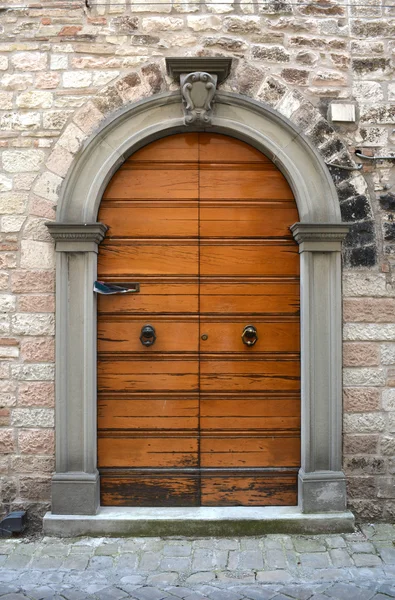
<point>198,77</point>
<point>198,91</point>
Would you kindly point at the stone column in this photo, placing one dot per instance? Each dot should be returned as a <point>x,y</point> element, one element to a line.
<point>322,484</point>
<point>75,484</point>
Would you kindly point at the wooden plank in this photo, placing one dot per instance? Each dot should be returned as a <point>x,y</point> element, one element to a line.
<point>147,451</point>
<point>181,147</point>
<point>243,220</point>
<point>249,375</point>
<point>247,451</point>
<point>149,490</point>
<point>242,406</point>
<point>250,297</point>
<point>124,335</point>
<point>147,374</point>
<point>230,183</point>
<point>146,413</point>
<point>215,148</point>
<point>235,489</point>
<point>272,337</point>
<point>249,259</point>
<point>148,183</point>
<point>155,258</point>
<point>150,219</point>
<point>154,297</point>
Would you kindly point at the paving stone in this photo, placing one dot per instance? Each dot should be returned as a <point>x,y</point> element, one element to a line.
<point>150,593</point>
<point>388,555</point>
<point>129,561</point>
<point>273,576</point>
<point>225,595</point>
<point>258,592</point>
<point>101,562</point>
<point>201,577</point>
<point>340,557</point>
<point>317,561</point>
<point>73,594</point>
<point>149,561</point>
<point>177,563</point>
<point>235,578</point>
<point>250,559</point>
<point>366,560</point>
<point>177,550</point>
<point>107,549</point>
<point>7,589</point>
<point>77,562</point>
<point>14,596</point>
<point>362,547</point>
<point>111,593</point>
<point>349,591</point>
<point>275,559</point>
<point>17,561</point>
<point>300,592</point>
<point>306,545</point>
<point>335,541</point>
<point>163,579</point>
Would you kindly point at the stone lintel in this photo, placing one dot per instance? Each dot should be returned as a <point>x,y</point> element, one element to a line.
<point>77,237</point>
<point>220,66</point>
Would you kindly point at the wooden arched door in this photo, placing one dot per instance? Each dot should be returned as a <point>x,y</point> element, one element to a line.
<point>201,221</point>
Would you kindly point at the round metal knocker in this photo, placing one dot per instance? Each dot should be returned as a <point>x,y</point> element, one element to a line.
<point>249,335</point>
<point>148,335</point>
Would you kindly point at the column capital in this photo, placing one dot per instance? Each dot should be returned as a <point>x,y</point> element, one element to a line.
<point>77,237</point>
<point>319,237</point>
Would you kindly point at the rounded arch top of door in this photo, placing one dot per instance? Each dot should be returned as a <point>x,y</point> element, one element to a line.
<point>201,416</point>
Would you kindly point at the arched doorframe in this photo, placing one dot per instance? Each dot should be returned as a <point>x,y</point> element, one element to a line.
<point>75,485</point>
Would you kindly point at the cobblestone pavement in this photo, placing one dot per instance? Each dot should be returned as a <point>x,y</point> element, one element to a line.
<point>357,566</point>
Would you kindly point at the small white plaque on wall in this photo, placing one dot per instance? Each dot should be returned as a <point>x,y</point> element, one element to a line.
<point>342,111</point>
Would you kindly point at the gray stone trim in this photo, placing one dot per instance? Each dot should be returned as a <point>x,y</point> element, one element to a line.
<point>179,65</point>
<point>75,485</point>
<point>322,484</point>
<point>150,119</point>
<point>198,521</point>
<point>77,237</point>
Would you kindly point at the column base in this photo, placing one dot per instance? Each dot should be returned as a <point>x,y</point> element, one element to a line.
<point>322,491</point>
<point>75,493</point>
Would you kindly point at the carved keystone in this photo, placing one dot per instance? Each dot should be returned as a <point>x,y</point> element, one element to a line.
<point>198,79</point>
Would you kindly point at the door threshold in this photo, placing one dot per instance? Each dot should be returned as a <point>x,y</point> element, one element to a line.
<point>202,521</point>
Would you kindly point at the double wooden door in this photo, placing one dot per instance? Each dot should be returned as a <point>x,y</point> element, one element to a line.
<point>201,222</point>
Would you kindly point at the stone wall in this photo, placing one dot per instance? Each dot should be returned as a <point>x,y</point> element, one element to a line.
<point>64,66</point>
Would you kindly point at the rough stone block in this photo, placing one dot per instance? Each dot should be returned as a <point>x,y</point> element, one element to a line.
<point>13,203</point>
<point>36,441</point>
<point>37,255</point>
<point>357,354</point>
<point>48,186</point>
<point>35,324</point>
<point>29,61</point>
<point>364,376</point>
<point>35,99</point>
<point>7,443</point>
<point>361,399</point>
<point>38,350</point>
<point>36,393</point>
<point>363,423</point>
<point>32,417</point>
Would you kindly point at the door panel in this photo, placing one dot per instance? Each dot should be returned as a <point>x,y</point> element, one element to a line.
<point>201,221</point>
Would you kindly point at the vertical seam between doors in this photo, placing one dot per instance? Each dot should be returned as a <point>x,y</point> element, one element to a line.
<point>199,333</point>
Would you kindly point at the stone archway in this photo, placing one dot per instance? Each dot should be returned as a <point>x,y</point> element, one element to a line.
<point>322,486</point>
